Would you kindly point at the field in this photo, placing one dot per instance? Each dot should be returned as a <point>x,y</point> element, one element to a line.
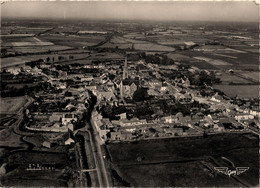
<point>125,43</point>
<point>16,44</point>
<point>24,178</point>
<point>253,75</point>
<point>153,47</point>
<point>214,62</point>
<point>122,40</point>
<point>96,56</point>
<point>7,120</point>
<point>217,48</point>
<point>134,35</point>
<point>39,49</point>
<point>179,57</point>
<point>26,157</point>
<point>9,139</point>
<point>106,55</point>
<point>236,61</point>
<point>174,175</point>
<point>12,104</point>
<point>18,161</point>
<point>178,162</point>
<point>83,61</point>
<point>20,60</point>
<point>232,79</point>
<point>36,140</point>
<point>74,40</point>
<point>117,45</point>
<point>24,41</point>
<point>29,30</point>
<point>18,181</point>
<point>243,91</point>
<point>139,46</point>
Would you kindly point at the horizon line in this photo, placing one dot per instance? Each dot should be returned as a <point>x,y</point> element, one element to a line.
<point>118,19</point>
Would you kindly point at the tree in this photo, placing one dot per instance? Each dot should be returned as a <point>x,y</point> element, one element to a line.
<point>140,94</point>
<point>205,135</point>
<point>68,94</point>
<point>111,76</point>
<point>3,52</point>
<point>152,130</point>
<point>60,58</point>
<point>143,111</point>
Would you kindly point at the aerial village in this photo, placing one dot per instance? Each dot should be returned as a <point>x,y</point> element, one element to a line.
<point>136,100</point>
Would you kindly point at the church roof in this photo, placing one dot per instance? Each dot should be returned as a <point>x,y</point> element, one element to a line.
<point>129,82</point>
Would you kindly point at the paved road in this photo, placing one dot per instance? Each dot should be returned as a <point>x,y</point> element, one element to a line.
<point>100,165</point>
<point>89,133</point>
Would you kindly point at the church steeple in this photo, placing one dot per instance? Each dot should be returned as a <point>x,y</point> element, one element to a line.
<point>125,71</point>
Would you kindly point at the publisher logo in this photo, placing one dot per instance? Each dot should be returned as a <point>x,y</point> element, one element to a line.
<point>236,172</point>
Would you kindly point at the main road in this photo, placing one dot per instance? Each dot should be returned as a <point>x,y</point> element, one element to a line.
<point>91,133</point>
<point>95,142</point>
<point>103,178</point>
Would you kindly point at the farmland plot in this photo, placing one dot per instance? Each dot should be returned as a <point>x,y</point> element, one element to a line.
<point>153,47</point>
<point>25,41</point>
<point>74,40</point>
<point>12,61</point>
<point>179,162</point>
<point>229,78</point>
<point>215,62</point>
<point>217,48</point>
<point>252,75</point>
<point>243,91</point>
<point>179,57</point>
<point>39,49</point>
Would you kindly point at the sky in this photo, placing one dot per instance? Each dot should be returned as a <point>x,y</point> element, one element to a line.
<point>133,10</point>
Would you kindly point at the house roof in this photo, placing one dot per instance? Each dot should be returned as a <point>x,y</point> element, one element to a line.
<point>129,82</point>
<point>68,135</point>
<point>115,133</point>
<point>107,94</point>
<point>164,84</point>
<point>46,144</point>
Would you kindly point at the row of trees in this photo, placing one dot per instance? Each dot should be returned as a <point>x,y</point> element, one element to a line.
<point>25,90</point>
<point>111,112</point>
<point>203,78</point>
<point>198,78</point>
<point>158,59</point>
<point>34,63</point>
